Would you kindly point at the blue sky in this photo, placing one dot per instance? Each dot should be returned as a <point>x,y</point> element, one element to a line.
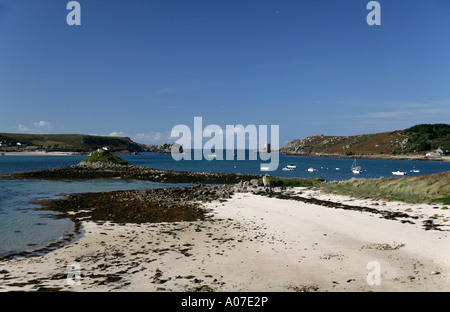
<point>138,68</point>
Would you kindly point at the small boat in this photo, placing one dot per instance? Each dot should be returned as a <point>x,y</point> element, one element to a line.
<point>399,172</point>
<point>414,170</point>
<point>264,168</point>
<point>291,166</point>
<point>311,169</point>
<point>355,168</point>
<point>287,168</point>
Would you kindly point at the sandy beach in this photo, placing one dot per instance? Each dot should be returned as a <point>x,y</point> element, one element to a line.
<point>253,243</point>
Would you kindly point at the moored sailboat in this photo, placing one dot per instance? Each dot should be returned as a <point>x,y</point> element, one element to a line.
<point>355,168</point>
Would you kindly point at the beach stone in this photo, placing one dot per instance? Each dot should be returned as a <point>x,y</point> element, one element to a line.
<point>435,273</point>
<point>256,182</point>
<point>203,288</point>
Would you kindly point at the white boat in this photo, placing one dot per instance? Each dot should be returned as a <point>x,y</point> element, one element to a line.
<point>399,172</point>
<point>288,169</point>
<point>311,169</point>
<point>291,166</point>
<point>414,170</point>
<point>265,168</point>
<point>355,168</point>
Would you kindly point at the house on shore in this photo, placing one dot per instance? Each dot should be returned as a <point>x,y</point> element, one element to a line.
<point>438,153</point>
<point>441,151</point>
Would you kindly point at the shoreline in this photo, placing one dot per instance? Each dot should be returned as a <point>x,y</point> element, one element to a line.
<point>253,242</point>
<point>37,153</point>
<point>380,157</point>
<point>316,155</point>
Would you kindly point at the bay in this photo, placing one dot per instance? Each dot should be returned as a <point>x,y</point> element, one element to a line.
<point>23,228</point>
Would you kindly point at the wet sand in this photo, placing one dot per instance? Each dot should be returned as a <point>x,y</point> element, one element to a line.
<point>253,243</point>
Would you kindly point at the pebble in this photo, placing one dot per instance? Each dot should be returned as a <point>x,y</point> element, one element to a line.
<point>435,272</point>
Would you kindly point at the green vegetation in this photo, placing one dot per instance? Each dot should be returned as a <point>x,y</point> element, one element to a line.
<point>71,142</point>
<point>427,137</point>
<point>105,157</point>
<point>412,141</point>
<point>293,182</point>
<point>443,200</point>
<point>431,188</point>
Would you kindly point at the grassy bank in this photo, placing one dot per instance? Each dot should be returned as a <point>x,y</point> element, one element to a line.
<point>433,188</point>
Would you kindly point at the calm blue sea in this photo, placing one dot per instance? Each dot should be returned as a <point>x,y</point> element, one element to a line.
<point>24,228</point>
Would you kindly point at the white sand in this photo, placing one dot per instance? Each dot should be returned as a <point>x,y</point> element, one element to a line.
<point>252,243</point>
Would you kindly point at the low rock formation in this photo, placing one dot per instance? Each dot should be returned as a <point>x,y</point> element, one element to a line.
<point>140,206</point>
<point>99,170</point>
<point>103,158</point>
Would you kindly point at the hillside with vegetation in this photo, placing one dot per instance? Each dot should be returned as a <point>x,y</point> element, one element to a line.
<point>106,158</point>
<point>68,142</point>
<point>426,137</point>
<point>414,141</point>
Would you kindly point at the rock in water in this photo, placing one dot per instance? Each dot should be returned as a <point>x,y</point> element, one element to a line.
<point>104,157</point>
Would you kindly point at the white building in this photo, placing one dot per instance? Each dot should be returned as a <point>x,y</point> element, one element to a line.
<point>438,153</point>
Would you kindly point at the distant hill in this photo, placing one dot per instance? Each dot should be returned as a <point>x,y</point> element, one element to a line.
<point>416,140</point>
<point>69,142</point>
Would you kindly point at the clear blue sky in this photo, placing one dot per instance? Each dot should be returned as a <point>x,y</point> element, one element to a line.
<point>138,68</point>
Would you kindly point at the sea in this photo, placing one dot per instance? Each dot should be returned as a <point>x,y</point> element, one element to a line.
<point>24,228</point>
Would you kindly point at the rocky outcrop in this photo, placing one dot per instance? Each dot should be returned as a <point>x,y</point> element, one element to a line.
<point>103,157</point>
<point>163,148</point>
<point>98,165</point>
<point>86,171</point>
<point>140,206</point>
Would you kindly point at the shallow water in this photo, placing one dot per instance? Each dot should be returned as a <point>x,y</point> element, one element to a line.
<point>23,228</point>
